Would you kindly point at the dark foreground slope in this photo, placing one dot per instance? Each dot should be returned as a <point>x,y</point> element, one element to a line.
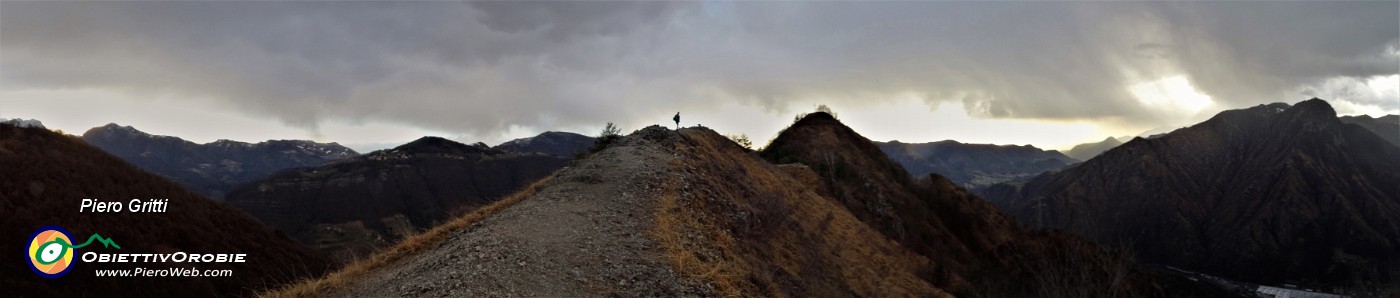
<point>215,168</point>
<point>975,249</point>
<point>1267,194</point>
<point>354,206</point>
<point>974,165</point>
<point>46,175</point>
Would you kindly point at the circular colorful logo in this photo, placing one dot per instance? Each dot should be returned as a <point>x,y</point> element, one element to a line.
<point>51,252</point>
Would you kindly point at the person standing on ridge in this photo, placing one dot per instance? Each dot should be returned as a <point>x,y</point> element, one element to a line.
<point>677,118</point>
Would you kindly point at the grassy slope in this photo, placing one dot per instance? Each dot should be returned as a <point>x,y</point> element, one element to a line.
<point>772,235</point>
<point>407,247</point>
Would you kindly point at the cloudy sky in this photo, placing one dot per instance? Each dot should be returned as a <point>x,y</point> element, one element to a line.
<point>376,74</point>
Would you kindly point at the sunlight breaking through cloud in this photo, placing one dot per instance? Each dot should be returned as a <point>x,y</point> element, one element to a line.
<point>1173,96</point>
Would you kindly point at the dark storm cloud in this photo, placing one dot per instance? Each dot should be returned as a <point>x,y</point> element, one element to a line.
<point>1247,53</point>
<point>1073,60</point>
<point>434,65</point>
<point>482,67</point>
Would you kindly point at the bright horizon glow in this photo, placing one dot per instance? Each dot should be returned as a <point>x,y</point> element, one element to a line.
<point>1173,97</point>
<point>911,120</point>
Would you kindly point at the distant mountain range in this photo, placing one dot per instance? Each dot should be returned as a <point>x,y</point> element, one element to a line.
<point>551,142</point>
<point>214,168</point>
<point>1269,194</point>
<point>1387,127</point>
<point>974,165</point>
<point>354,206</point>
<point>1087,151</point>
<point>46,176</point>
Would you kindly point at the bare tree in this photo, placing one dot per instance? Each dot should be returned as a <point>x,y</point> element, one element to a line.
<point>824,109</point>
<point>742,140</point>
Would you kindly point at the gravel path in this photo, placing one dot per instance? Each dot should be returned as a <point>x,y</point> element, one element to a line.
<point>582,235</point>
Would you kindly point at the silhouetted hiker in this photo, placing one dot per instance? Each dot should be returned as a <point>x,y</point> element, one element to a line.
<point>678,120</point>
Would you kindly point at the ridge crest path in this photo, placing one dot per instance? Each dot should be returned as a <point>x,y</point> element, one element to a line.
<point>584,234</point>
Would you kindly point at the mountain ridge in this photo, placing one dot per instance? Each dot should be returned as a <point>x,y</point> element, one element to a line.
<point>1086,151</point>
<point>974,165</point>
<point>23,122</point>
<point>212,168</point>
<point>1387,127</point>
<point>354,206</point>
<point>550,142</point>
<point>1270,194</point>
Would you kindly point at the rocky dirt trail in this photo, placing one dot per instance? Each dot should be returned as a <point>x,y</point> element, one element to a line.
<point>582,235</point>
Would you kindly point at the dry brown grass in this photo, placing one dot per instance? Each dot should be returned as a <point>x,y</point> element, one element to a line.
<point>410,245</point>
<point>685,254</point>
<point>752,229</point>
<point>977,250</point>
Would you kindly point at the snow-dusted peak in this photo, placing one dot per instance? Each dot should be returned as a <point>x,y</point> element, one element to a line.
<point>23,122</point>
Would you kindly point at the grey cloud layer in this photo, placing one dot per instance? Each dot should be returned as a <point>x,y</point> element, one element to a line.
<point>477,68</point>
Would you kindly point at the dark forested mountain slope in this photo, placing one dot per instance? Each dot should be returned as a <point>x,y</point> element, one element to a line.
<point>1269,194</point>
<point>1387,127</point>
